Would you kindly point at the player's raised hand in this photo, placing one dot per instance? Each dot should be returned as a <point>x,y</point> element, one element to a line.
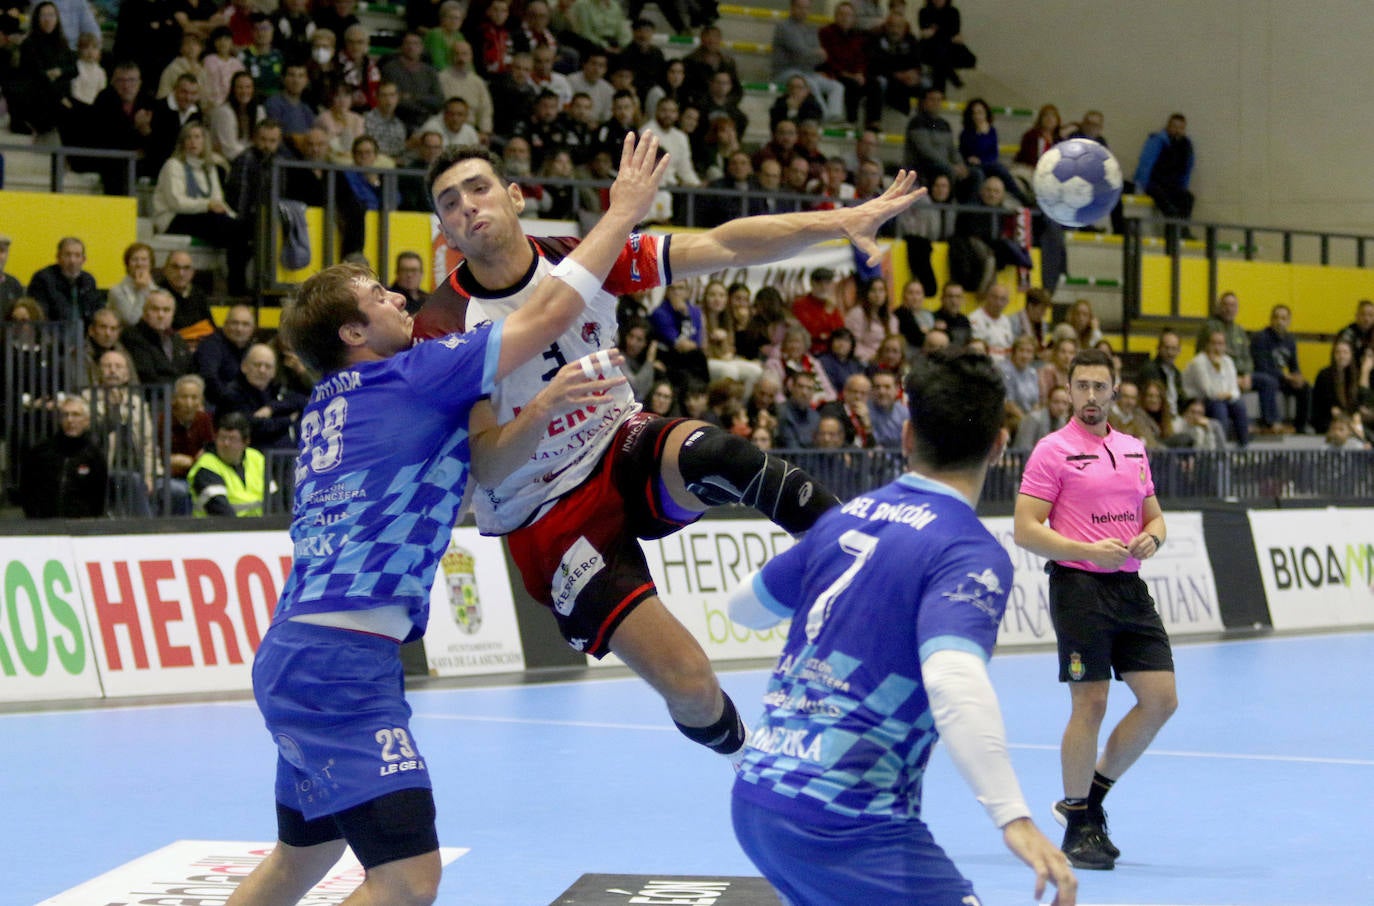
<point>637,180</point>
<point>861,222</point>
<point>1049,864</point>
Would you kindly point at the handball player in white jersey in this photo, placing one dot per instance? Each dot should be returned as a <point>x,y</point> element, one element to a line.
<point>605,476</point>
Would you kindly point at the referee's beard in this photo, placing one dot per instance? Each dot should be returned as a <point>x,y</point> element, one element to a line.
<point>1094,418</point>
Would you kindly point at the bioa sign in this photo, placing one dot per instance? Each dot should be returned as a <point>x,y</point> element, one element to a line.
<point>1323,580</point>
<point>44,645</point>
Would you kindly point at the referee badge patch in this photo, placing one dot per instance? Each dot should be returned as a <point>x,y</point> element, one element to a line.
<point>1076,668</point>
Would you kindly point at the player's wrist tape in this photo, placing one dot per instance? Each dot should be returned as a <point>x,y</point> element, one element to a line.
<point>582,281</point>
<point>595,366</point>
<point>1158,543</point>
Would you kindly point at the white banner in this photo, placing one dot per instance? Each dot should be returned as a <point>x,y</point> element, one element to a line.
<point>472,625</point>
<point>206,872</point>
<point>187,615</point>
<point>1317,566</point>
<point>45,644</point>
<point>695,569</point>
<point>1179,577</point>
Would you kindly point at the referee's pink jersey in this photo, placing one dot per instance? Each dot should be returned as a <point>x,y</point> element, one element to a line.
<point>1096,486</point>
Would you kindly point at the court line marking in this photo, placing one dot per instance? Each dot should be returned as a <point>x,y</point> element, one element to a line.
<point>657,728</point>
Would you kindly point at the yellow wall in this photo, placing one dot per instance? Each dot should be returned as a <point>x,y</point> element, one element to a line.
<point>35,221</point>
<point>410,232</point>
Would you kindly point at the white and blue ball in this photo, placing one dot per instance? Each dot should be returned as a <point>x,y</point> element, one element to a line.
<point>1077,182</point>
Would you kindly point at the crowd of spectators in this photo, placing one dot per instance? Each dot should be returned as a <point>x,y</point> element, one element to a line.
<point>150,390</point>
<point>208,94</point>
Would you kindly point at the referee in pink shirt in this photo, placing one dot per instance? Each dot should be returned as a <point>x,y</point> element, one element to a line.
<point>1088,506</point>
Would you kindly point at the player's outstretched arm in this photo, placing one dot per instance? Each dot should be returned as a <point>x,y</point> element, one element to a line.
<point>556,303</point>
<point>498,450</point>
<point>747,241</point>
<point>964,706</point>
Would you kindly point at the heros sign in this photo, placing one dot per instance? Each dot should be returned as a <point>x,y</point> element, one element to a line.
<point>180,612</point>
<point>84,617</point>
<point>45,650</point>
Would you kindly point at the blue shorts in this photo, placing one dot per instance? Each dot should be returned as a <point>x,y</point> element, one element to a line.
<point>334,702</point>
<point>834,861</point>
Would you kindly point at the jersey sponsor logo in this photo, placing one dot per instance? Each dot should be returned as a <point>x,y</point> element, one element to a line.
<point>986,594</point>
<point>1109,518</point>
<point>336,493</point>
<point>318,546</point>
<point>1081,461</point>
<point>579,565</point>
<point>800,743</point>
<point>453,340</point>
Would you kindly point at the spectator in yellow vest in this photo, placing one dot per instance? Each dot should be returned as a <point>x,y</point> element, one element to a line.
<point>230,478</point>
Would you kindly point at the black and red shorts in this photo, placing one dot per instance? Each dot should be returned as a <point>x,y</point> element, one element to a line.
<point>582,559</point>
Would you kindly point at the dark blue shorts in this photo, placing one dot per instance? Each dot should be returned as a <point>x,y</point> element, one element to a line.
<point>831,861</point>
<point>334,702</point>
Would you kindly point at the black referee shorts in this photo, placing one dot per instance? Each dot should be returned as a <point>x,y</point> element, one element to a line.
<point>1105,623</point>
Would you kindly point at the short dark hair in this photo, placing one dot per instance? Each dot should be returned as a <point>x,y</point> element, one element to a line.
<point>454,155</point>
<point>325,303</point>
<point>235,421</point>
<point>1088,358</point>
<point>957,401</point>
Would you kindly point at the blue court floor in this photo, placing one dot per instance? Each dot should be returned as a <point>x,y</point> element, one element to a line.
<point>1258,793</point>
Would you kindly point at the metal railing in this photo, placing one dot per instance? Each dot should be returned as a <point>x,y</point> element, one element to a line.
<point>60,155</point>
<point>1218,241</point>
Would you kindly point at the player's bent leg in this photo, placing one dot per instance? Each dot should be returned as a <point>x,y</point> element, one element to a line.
<point>659,649</point>
<point>704,465</point>
<point>395,839</point>
<point>1156,696</point>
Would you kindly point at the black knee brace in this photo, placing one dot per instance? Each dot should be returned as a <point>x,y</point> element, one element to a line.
<point>721,468</point>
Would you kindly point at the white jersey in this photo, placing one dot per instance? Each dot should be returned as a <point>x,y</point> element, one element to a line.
<point>573,443</point>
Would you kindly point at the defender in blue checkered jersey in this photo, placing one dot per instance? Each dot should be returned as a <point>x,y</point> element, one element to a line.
<point>385,445</point>
<point>895,599</point>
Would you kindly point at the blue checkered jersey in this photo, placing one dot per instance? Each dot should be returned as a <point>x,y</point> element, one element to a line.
<point>383,463</point>
<point>875,587</point>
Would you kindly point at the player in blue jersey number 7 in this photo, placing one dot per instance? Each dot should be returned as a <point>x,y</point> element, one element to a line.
<point>386,442</point>
<point>895,599</point>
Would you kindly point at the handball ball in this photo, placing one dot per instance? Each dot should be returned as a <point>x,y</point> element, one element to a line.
<point>1077,182</point>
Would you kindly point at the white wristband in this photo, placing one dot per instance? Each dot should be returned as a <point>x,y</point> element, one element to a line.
<point>582,281</point>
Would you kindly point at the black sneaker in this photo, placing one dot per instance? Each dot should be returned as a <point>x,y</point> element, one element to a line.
<point>1086,847</point>
<point>1061,814</point>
